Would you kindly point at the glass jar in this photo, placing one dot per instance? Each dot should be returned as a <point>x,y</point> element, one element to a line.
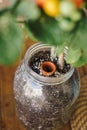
<point>44,103</point>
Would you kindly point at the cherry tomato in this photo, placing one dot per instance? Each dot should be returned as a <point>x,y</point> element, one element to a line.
<point>51,7</point>
<point>40,3</point>
<point>78,3</point>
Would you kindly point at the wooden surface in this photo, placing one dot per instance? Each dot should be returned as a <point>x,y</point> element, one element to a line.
<point>8,119</point>
<point>79,118</point>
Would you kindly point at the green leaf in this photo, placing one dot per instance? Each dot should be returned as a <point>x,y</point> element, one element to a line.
<point>28,10</point>
<point>47,30</point>
<point>72,55</point>
<point>82,60</point>
<point>78,40</point>
<point>10,40</point>
<point>79,63</point>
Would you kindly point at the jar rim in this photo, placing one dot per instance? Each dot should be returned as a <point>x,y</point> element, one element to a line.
<point>39,78</point>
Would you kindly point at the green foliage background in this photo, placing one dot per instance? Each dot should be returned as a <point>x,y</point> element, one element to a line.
<point>40,28</point>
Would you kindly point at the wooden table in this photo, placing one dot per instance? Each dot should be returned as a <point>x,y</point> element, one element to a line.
<point>8,119</point>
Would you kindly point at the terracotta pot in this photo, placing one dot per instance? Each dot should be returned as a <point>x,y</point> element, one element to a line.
<point>48,68</point>
<point>44,103</point>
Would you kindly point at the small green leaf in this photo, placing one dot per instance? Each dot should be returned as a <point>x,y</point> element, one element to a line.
<point>72,55</point>
<point>10,40</point>
<point>79,63</point>
<point>82,60</point>
<point>28,10</point>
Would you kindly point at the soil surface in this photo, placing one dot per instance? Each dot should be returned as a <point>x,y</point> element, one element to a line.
<point>41,56</point>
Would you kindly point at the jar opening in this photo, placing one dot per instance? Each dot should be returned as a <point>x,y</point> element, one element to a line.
<point>43,78</point>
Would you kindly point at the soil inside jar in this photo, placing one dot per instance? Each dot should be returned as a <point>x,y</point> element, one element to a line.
<point>41,56</point>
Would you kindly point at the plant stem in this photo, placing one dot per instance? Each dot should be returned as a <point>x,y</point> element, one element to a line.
<point>85,10</point>
<point>61,61</point>
<point>54,50</point>
<point>15,6</point>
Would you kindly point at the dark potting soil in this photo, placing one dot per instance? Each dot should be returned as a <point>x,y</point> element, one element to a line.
<point>41,56</point>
